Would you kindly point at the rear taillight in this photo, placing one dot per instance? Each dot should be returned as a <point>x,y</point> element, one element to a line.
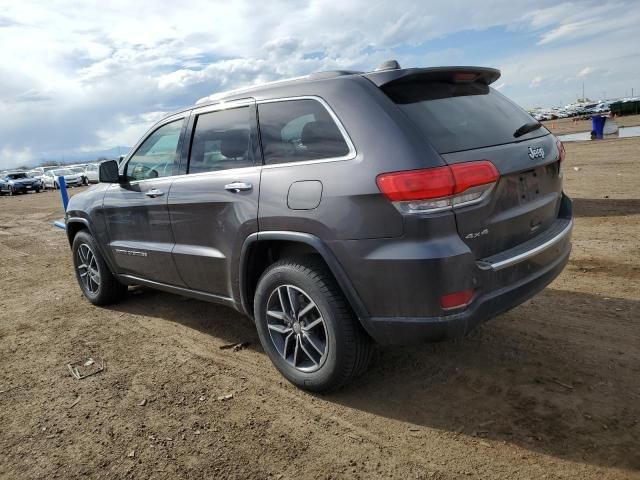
<point>439,188</point>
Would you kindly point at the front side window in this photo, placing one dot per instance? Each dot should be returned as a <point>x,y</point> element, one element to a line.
<point>222,140</point>
<point>157,155</point>
<point>299,130</point>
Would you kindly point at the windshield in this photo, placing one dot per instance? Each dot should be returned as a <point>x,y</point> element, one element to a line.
<point>63,171</point>
<point>461,116</point>
<point>15,176</point>
<point>77,169</point>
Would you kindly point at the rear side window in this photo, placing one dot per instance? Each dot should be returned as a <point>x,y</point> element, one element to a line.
<point>299,130</point>
<point>461,116</point>
<point>222,140</point>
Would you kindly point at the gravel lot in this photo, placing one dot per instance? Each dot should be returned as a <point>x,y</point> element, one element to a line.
<point>548,390</point>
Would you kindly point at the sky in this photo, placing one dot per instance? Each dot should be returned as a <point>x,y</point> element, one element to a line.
<point>84,76</point>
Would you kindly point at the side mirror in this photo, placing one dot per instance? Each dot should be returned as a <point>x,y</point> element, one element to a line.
<point>108,172</point>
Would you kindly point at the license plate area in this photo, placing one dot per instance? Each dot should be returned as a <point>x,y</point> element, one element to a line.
<point>528,186</point>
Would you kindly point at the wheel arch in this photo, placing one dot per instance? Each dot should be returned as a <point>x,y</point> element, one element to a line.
<point>258,253</point>
<point>74,225</point>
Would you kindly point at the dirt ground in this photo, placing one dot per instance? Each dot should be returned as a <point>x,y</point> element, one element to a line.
<point>563,126</point>
<point>548,390</point>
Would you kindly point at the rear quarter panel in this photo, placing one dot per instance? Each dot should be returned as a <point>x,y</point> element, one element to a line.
<point>351,205</point>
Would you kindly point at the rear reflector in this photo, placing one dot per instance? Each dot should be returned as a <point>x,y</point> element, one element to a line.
<point>457,299</point>
<point>439,188</point>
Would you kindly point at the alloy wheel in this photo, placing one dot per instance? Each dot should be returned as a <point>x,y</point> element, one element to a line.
<point>88,269</point>
<point>296,328</point>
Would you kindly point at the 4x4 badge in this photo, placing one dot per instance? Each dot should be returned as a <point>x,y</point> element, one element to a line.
<point>536,152</point>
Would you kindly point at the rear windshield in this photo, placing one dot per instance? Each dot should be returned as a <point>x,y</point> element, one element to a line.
<point>461,116</point>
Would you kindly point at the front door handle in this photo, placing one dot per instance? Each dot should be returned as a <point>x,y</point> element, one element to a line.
<point>237,187</point>
<point>153,193</point>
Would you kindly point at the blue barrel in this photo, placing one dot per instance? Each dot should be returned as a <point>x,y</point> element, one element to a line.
<point>597,125</point>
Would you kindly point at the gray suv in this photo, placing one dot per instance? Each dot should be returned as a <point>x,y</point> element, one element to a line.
<point>335,210</point>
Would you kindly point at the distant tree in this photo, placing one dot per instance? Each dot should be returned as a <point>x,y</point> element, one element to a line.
<point>48,163</point>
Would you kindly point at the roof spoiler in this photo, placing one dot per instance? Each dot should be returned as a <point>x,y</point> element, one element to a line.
<point>483,75</point>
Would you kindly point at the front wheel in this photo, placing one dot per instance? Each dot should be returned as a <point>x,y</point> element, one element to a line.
<point>94,277</point>
<point>306,326</point>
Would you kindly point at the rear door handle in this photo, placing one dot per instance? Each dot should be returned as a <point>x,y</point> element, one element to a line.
<point>237,187</point>
<point>153,193</point>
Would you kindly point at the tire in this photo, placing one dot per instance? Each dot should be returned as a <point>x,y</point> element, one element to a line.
<point>107,289</point>
<point>347,348</point>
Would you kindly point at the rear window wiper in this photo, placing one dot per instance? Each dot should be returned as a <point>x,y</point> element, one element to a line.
<point>526,128</point>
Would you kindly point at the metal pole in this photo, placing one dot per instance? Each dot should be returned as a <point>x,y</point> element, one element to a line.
<point>63,192</point>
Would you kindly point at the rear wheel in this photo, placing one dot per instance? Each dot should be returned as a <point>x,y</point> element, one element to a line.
<point>94,277</point>
<point>306,326</point>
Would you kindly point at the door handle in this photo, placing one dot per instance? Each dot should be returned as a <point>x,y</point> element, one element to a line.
<point>237,187</point>
<point>153,193</point>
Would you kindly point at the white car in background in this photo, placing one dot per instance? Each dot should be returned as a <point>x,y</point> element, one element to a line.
<point>80,170</point>
<point>71,179</point>
<point>91,172</point>
<point>36,173</point>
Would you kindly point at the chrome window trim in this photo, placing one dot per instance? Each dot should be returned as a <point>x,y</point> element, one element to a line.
<point>216,107</point>
<point>345,135</point>
<point>247,169</point>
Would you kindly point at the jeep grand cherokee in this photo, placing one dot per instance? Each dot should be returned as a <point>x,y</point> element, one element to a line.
<point>335,210</point>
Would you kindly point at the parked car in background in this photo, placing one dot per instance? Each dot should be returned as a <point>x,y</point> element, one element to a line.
<point>19,182</point>
<point>36,173</point>
<point>91,172</point>
<point>81,172</point>
<point>71,179</point>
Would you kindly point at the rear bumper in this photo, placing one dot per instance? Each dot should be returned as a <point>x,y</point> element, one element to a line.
<point>401,281</point>
<point>403,331</point>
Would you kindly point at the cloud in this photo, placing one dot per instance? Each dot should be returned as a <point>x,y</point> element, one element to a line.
<point>16,158</point>
<point>90,75</point>
<point>585,71</point>
<point>535,81</point>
